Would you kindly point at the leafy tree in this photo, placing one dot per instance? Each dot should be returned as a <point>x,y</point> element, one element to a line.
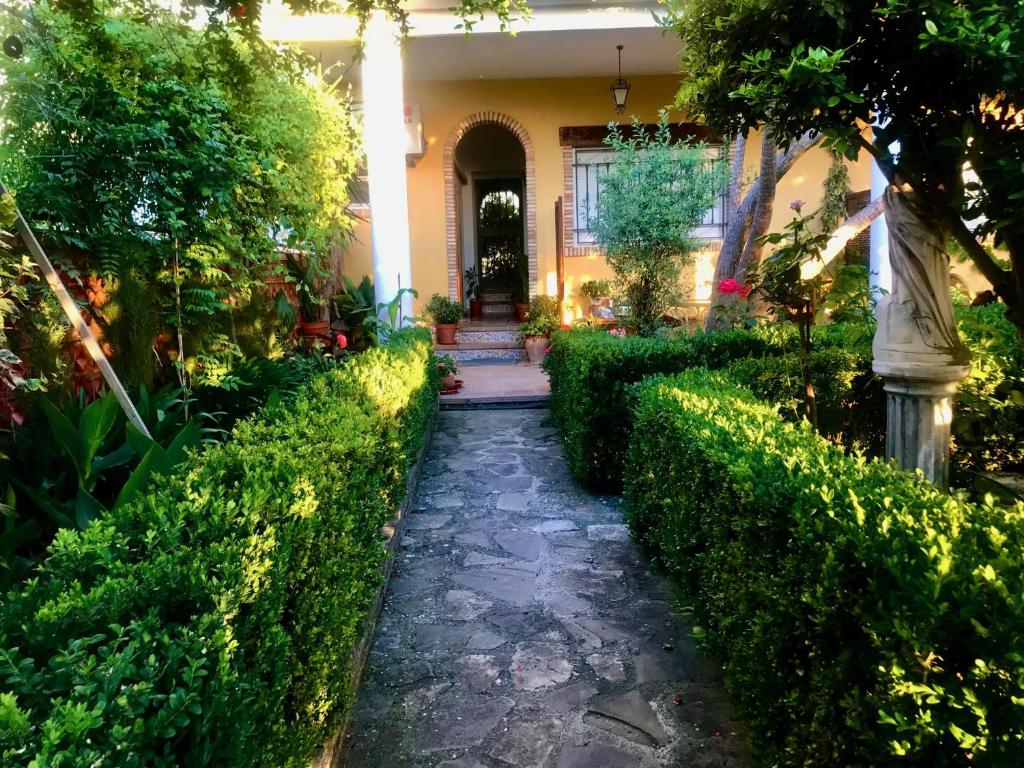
<point>653,196</point>
<point>944,79</point>
<point>141,146</point>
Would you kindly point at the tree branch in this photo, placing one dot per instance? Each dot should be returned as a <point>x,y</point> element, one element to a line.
<point>1000,278</point>
<point>842,235</point>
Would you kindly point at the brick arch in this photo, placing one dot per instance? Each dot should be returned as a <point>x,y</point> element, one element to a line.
<point>450,224</point>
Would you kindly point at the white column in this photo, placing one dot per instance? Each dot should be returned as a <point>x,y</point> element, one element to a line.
<point>384,139</point>
<point>880,276</point>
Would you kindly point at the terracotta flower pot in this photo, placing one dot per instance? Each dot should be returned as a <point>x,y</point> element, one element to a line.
<point>449,382</point>
<point>521,308</point>
<point>311,332</point>
<point>446,333</point>
<point>476,309</point>
<point>536,348</point>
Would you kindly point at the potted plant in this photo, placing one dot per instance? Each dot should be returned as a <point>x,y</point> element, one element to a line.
<point>536,337</point>
<point>599,292</point>
<point>521,292</point>
<point>309,287</point>
<point>471,278</point>
<point>352,307</point>
<point>446,314</point>
<point>446,369</point>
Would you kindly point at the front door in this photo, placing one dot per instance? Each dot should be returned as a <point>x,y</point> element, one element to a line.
<point>499,235</point>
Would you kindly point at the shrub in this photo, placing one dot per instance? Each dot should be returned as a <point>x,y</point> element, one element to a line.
<point>444,310</point>
<point>850,398</point>
<point>655,194</point>
<point>596,289</point>
<point>863,616</point>
<point>544,308</point>
<point>212,620</point>
<point>590,371</point>
<point>988,422</point>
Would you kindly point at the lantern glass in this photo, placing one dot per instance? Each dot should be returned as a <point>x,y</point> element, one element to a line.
<point>620,92</point>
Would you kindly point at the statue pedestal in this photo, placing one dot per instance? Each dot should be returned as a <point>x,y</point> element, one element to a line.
<point>919,408</point>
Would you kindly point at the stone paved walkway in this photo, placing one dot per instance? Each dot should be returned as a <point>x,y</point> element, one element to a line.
<point>522,627</point>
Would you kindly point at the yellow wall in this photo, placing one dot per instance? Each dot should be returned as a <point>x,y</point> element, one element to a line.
<point>542,106</point>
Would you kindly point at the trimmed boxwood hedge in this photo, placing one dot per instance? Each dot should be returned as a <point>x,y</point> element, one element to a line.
<point>212,621</point>
<point>864,617</point>
<point>850,398</point>
<point>591,370</point>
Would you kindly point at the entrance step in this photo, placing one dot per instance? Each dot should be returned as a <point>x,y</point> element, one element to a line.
<point>497,352</point>
<point>496,298</point>
<point>497,309</point>
<point>486,336</point>
<point>485,341</point>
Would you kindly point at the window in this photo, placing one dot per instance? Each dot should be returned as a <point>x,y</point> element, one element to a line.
<point>588,167</point>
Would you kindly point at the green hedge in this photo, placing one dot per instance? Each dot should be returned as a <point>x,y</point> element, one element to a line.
<point>864,618</point>
<point>590,372</point>
<point>213,621</point>
<point>850,398</point>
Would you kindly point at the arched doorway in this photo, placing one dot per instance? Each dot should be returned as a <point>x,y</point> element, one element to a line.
<point>490,206</point>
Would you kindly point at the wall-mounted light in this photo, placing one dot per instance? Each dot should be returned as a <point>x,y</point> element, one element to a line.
<point>620,88</point>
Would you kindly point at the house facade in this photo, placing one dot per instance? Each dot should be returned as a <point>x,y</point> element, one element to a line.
<point>486,145</point>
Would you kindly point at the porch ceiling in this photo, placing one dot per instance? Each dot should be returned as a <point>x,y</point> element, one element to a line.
<point>565,40</point>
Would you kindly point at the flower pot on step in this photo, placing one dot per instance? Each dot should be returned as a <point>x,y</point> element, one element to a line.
<point>446,333</point>
<point>476,309</point>
<point>521,308</point>
<point>311,332</point>
<point>536,348</point>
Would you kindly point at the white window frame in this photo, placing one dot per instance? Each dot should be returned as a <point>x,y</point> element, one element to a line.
<point>588,163</point>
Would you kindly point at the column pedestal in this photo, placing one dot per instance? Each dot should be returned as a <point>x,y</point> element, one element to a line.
<point>919,409</point>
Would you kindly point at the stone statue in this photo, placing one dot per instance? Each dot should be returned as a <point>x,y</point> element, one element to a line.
<point>917,350</point>
<point>916,329</point>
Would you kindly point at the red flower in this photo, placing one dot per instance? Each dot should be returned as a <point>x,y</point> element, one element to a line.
<point>565,326</point>
<point>342,341</point>
<point>744,291</point>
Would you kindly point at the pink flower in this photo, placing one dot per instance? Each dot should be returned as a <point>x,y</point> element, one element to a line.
<point>796,205</point>
<point>620,332</point>
<point>744,291</point>
<point>341,340</point>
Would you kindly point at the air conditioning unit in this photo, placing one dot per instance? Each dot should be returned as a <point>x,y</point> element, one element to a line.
<point>414,144</point>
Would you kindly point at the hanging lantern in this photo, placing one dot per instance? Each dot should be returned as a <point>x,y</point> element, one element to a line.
<point>620,88</point>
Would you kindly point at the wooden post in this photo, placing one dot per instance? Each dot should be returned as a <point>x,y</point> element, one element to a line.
<point>560,256</point>
<point>70,308</point>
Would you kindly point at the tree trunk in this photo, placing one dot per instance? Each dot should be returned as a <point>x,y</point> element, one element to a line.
<point>764,204</point>
<point>740,229</point>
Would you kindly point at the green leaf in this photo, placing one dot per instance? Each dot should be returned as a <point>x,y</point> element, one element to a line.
<point>155,460</point>
<point>68,437</point>
<point>930,26</point>
<point>87,508</point>
<point>96,422</point>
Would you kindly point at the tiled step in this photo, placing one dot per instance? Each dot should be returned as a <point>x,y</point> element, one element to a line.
<point>496,298</point>
<point>489,354</point>
<point>511,344</point>
<point>484,337</point>
<point>502,309</point>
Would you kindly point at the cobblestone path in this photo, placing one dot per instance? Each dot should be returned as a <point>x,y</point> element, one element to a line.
<point>523,627</point>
